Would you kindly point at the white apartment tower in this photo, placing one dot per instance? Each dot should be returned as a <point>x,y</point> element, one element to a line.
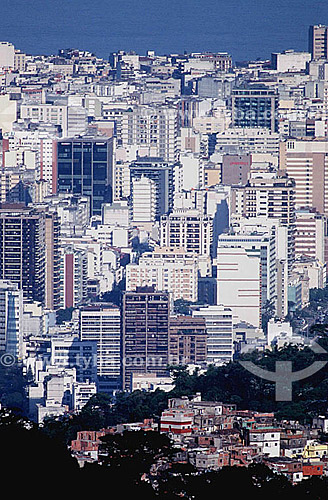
<point>155,127</point>
<point>167,269</point>
<point>262,246</point>
<point>219,327</point>
<point>239,284</point>
<point>102,323</point>
<point>280,232</point>
<point>143,200</point>
<point>7,55</point>
<point>189,229</point>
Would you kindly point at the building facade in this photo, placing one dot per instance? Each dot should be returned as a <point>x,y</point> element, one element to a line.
<point>172,270</point>
<point>23,249</point>
<point>188,229</point>
<point>187,340</point>
<point>85,167</point>
<point>161,173</point>
<point>255,106</point>
<point>145,333</point>
<point>101,323</point>
<point>318,41</point>
<point>219,328</point>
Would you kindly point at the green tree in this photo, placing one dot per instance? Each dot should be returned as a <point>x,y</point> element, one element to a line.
<point>28,452</point>
<point>13,386</point>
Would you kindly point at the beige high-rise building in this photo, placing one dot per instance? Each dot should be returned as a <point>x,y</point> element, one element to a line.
<point>19,61</point>
<point>272,198</point>
<point>311,228</point>
<point>306,161</point>
<point>167,269</point>
<point>187,340</point>
<point>318,41</point>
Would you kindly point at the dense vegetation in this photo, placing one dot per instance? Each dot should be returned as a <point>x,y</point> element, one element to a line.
<point>136,463</point>
<point>128,459</point>
<point>230,383</point>
<point>13,388</point>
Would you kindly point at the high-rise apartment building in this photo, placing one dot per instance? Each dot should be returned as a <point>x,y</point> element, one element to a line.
<point>52,264</point>
<point>219,328</point>
<point>161,173</point>
<point>85,167</point>
<point>152,127</point>
<point>143,201</point>
<point>102,323</point>
<point>145,333</point>
<point>255,106</point>
<point>318,41</point>
<point>262,245</point>
<point>23,249</point>
<point>272,198</point>
<point>68,351</point>
<point>11,318</point>
<point>239,284</point>
<point>279,260</point>
<point>306,161</point>
<point>171,270</point>
<point>7,55</point>
<point>187,340</point>
<point>188,229</point>
<point>73,276</point>
<point>310,232</point>
<point>19,61</point>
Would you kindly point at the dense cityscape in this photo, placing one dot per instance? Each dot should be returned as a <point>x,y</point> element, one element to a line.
<point>163,261</point>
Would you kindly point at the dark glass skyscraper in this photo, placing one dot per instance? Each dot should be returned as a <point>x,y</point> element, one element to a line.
<point>145,333</point>
<point>85,166</point>
<point>23,249</point>
<point>255,106</point>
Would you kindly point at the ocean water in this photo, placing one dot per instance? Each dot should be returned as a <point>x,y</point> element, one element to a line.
<point>247,29</point>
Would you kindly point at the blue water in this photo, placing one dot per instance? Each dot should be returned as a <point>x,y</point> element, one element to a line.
<point>247,29</point>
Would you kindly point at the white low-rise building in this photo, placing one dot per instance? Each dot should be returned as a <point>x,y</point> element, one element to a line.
<point>150,382</point>
<point>82,392</point>
<point>268,441</point>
